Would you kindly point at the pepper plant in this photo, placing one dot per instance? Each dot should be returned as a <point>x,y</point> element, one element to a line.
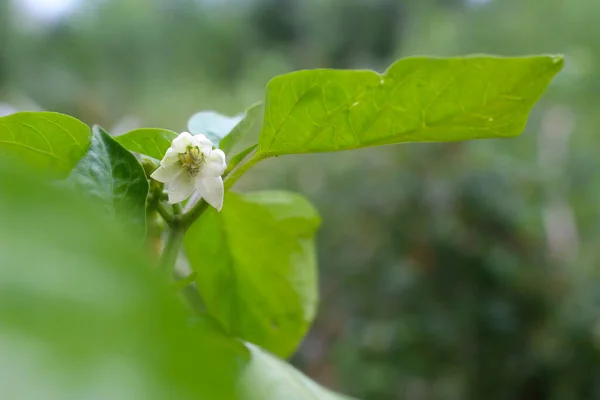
<point>129,268</point>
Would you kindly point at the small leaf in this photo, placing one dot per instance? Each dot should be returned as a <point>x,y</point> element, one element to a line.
<point>246,132</point>
<point>268,378</point>
<point>212,124</point>
<point>418,99</point>
<point>111,175</point>
<point>256,267</point>
<point>48,141</point>
<point>152,142</point>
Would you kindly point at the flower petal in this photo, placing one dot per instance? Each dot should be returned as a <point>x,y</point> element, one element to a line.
<point>214,164</point>
<point>203,143</point>
<point>181,188</point>
<point>166,173</point>
<point>171,156</point>
<point>180,143</point>
<point>211,190</point>
<point>192,201</point>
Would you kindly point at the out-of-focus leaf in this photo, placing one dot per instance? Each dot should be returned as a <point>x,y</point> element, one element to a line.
<point>212,124</point>
<point>152,142</point>
<point>83,315</point>
<point>113,177</point>
<point>50,142</point>
<point>256,267</point>
<point>266,377</point>
<point>418,99</point>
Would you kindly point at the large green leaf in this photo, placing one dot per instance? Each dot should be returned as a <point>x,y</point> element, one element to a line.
<point>83,315</point>
<point>418,99</point>
<point>256,267</point>
<point>50,142</point>
<point>266,377</point>
<point>113,177</point>
<point>152,142</point>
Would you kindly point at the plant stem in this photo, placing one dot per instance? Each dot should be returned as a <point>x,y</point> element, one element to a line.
<point>171,249</point>
<point>239,158</point>
<point>192,215</point>
<point>164,213</point>
<point>236,174</point>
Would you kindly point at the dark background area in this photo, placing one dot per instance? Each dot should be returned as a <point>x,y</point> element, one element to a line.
<point>448,271</point>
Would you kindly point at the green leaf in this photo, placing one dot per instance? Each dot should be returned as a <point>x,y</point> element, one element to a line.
<point>256,267</point>
<point>268,378</point>
<point>83,314</point>
<point>418,99</point>
<point>111,175</point>
<point>212,124</point>
<point>152,142</point>
<point>246,132</point>
<point>50,142</point>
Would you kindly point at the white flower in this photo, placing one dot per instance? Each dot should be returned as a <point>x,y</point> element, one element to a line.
<point>192,164</point>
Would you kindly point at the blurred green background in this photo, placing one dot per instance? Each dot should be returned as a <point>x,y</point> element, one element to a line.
<point>448,271</point>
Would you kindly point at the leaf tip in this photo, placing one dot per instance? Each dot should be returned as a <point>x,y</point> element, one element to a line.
<point>558,59</point>
<point>98,130</point>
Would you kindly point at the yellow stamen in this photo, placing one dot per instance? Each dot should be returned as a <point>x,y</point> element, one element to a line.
<point>191,160</point>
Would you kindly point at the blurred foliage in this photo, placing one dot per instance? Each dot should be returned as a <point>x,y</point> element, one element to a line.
<point>84,316</point>
<point>458,271</point>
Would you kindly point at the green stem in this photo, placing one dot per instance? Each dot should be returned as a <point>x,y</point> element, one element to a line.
<point>171,250</point>
<point>177,209</point>
<point>192,215</point>
<point>239,158</point>
<point>164,213</point>
<point>236,174</point>
<point>194,300</point>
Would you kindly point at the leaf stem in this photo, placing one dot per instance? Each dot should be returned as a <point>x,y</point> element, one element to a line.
<point>236,174</point>
<point>171,249</point>
<point>237,159</point>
